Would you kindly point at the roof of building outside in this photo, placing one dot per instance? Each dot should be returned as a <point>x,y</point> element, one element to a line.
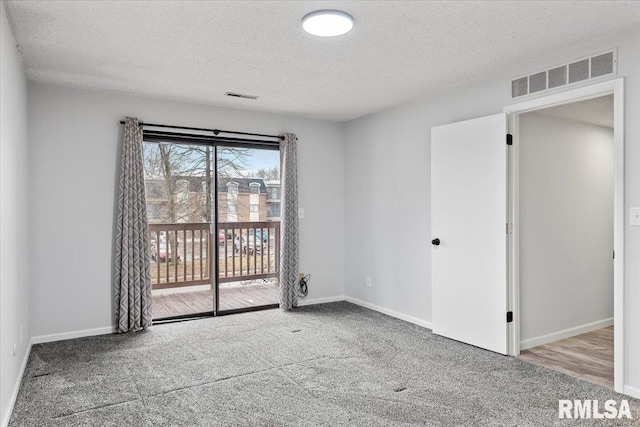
<point>243,184</point>
<point>195,184</point>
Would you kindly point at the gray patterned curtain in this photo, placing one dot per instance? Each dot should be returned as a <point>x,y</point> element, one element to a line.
<point>133,277</point>
<point>288,221</point>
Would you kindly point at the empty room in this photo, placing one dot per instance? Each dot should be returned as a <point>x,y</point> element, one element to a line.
<point>339,213</point>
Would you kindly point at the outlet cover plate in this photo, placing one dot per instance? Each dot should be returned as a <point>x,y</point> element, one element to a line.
<point>635,217</point>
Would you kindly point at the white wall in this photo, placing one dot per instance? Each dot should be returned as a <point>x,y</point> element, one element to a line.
<point>14,227</point>
<point>387,187</point>
<point>75,135</point>
<point>566,224</point>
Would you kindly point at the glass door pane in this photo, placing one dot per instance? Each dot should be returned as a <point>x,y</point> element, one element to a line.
<point>248,195</point>
<point>179,187</point>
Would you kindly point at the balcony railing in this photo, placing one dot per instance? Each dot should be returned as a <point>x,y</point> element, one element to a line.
<point>246,251</point>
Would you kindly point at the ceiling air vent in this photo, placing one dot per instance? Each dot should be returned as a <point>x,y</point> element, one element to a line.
<point>240,95</point>
<point>583,69</point>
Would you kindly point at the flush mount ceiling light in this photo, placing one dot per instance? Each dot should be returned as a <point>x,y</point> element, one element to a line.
<point>327,23</point>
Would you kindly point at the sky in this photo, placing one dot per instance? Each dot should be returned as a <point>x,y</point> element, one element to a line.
<point>262,159</point>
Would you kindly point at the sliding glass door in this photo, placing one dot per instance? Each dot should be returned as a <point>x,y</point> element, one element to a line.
<point>179,182</point>
<point>248,203</point>
<point>214,222</point>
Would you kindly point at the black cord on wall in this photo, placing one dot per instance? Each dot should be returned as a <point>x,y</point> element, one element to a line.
<point>303,286</point>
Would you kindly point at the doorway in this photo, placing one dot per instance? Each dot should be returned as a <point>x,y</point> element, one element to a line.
<point>474,194</point>
<point>603,337</point>
<point>565,174</point>
<point>214,222</point>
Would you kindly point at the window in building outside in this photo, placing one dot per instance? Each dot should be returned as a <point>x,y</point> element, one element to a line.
<point>154,188</point>
<point>273,210</point>
<point>153,211</point>
<point>232,188</point>
<point>273,193</point>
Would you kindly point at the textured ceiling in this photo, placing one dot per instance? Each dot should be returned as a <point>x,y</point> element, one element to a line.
<point>597,111</point>
<point>197,51</point>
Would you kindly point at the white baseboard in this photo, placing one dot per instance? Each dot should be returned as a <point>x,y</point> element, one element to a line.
<point>632,391</point>
<point>566,333</point>
<point>74,334</point>
<point>391,313</point>
<point>16,387</point>
<point>303,302</point>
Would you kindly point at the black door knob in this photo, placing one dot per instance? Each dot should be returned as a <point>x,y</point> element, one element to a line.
<point>435,242</point>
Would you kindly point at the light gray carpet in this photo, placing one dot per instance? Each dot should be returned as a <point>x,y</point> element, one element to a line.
<point>333,365</point>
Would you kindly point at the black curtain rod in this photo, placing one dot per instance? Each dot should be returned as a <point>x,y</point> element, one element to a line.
<point>215,131</point>
<point>195,139</point>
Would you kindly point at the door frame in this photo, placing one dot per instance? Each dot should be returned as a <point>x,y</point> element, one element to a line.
<point>613,87</point>
<point>214,228</point>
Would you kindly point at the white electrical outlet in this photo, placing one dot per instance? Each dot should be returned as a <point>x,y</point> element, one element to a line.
<point>635,217</point>
<point>367,282</point>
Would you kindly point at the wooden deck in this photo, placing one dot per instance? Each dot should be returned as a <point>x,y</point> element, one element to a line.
<point>201,301</point>
<point>588,356</point>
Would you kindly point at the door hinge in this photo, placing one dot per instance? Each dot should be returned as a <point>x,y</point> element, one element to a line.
<point>614,254</point>
<point>509,139</point>
<point>509,316</point>
<point>509,228</point>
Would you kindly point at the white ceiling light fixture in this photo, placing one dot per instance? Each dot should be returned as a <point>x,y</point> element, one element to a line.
<point>327,23</point>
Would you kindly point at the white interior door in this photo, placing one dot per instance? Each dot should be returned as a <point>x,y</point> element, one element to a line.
<point>469,221</point>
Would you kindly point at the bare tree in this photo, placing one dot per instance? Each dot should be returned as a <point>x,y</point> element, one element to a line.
<point>168,164</point>
<point>166,168</point>
<point>272,174</point>
<point>173,172</point>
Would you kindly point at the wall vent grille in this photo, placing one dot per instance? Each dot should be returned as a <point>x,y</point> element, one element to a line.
<point>537,82</point>
<point>579,71</point>
<point>582,69</point>
<point>520,86</point>
<point>557,76</point>
<point>602,65</point>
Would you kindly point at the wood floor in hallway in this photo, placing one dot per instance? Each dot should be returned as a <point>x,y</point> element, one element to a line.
<point>588,356</point>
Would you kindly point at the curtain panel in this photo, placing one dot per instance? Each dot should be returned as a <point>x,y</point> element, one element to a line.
<point>288,222</point>
<point>132,269</point>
